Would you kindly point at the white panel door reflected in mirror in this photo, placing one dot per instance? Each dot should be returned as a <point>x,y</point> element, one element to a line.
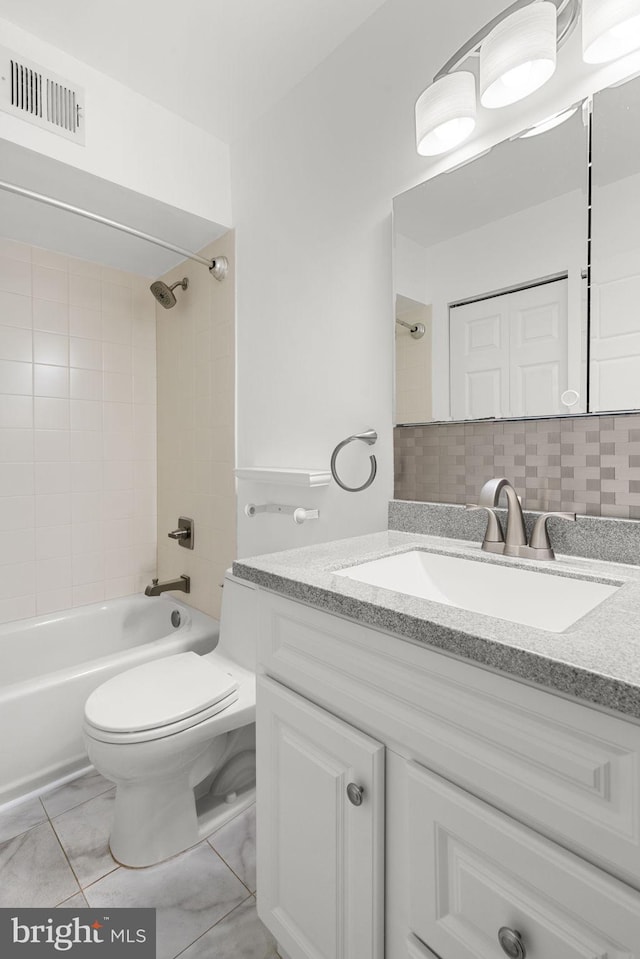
<point>508,353</point>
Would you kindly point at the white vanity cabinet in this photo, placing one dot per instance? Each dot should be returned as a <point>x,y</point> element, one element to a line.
<point>509,810</point>
<point>321,826</point>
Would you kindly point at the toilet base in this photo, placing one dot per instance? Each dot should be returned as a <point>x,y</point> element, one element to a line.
<point>161,812</point>
<point>192,823</point>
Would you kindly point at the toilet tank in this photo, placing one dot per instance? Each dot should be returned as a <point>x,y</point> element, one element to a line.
<point>239,621</point>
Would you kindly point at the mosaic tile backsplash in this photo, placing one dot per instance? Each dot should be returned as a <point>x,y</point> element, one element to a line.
<point>588,465</point>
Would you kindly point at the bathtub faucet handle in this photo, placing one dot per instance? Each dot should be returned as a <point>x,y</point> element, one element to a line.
<point>184,533</point>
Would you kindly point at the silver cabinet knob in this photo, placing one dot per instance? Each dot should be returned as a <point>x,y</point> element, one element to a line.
<point>355,794</point>
<point>511,942</point>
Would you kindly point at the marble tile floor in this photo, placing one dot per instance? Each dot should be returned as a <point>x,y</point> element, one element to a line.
<point>54,851</point>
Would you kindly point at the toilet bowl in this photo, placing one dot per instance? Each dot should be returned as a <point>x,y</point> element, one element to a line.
<point>177,737</point>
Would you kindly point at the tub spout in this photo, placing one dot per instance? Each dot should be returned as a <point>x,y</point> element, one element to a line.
<point>183,584</point>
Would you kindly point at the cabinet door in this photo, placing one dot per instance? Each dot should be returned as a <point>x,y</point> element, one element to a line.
<point>320,857</point>
<point>474,873</point>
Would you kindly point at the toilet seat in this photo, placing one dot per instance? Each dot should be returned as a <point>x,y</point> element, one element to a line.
<point>159,698</point>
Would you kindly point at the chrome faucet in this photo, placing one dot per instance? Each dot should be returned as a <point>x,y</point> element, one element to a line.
<point>515,541</point>
<point>183,584</point>
<point>516,535</point>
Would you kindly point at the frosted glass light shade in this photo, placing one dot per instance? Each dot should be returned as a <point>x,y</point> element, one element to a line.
<point>519,55</point>
<point>610,28</point>
<point>446,113</point>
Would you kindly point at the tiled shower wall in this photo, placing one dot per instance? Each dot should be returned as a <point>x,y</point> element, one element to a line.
<point>588,465</point>
<point>196,432</point>
<point>77,432</point>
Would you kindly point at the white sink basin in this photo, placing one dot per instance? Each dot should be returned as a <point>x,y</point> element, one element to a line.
<point>517,595</point>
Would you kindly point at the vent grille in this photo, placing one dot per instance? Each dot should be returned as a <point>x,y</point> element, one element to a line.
<point>37,95</point>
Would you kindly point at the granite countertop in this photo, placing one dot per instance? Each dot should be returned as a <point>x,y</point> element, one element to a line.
<point>597,659</point>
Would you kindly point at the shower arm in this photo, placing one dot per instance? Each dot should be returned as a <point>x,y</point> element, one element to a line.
<point>218,267</point>
<point>417,330</point>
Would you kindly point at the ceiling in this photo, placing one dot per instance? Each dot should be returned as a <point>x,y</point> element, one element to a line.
<point>218,63</point>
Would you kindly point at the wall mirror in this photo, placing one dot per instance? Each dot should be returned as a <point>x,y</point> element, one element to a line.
<point>491,260</point>
<point>614,342</point>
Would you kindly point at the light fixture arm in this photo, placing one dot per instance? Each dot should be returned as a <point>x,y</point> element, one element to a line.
<point>568,13</point>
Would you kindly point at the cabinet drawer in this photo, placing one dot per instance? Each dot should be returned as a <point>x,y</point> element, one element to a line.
<point>474,871</point>
<point>570,771</point>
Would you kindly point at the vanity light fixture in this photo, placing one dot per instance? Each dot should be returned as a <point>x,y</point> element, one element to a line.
<point>446,113</point>
<point>610,28</point>
<point>517,53</point>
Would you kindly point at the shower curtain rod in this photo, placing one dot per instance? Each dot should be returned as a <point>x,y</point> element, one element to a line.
<point>60,205</point>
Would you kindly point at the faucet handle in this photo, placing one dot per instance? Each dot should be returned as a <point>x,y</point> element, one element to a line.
<point>540,535</point>
<point>494,532</point>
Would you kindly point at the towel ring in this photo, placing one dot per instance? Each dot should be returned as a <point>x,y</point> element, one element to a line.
<point>369,437</point>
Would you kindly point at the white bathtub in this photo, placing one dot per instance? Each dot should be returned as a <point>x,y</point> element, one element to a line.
<point>50,664</point>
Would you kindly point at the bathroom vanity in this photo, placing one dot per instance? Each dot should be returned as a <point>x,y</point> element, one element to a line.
<point>436,783</point>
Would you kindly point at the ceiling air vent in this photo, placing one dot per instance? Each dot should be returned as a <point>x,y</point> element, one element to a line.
<point>41,97</point>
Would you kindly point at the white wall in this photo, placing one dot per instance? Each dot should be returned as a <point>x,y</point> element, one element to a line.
<point>130,140</point>
<point>312,190</point>
<point>410,276</point>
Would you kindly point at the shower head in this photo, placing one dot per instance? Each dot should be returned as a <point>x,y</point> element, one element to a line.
<point>164,294</point>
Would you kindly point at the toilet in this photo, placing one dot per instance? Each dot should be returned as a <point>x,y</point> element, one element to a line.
<point>177,737</point>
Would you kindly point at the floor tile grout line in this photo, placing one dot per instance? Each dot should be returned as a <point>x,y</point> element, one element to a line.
<point>52,824</point>
<point>100,878</point>
<point>81,887</point>
<point>104,876</point>
<point>216,923</point>
<point>64,853</point>
<point>76,806</point>
<point>230,868</point>
<point>24,832</point>
<point>81,893</point>
<point>29,828</point>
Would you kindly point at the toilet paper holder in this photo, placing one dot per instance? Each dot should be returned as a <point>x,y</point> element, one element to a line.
<point>299,513</point>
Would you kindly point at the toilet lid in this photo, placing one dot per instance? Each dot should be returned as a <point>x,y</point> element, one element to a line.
<point>161,692</point>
